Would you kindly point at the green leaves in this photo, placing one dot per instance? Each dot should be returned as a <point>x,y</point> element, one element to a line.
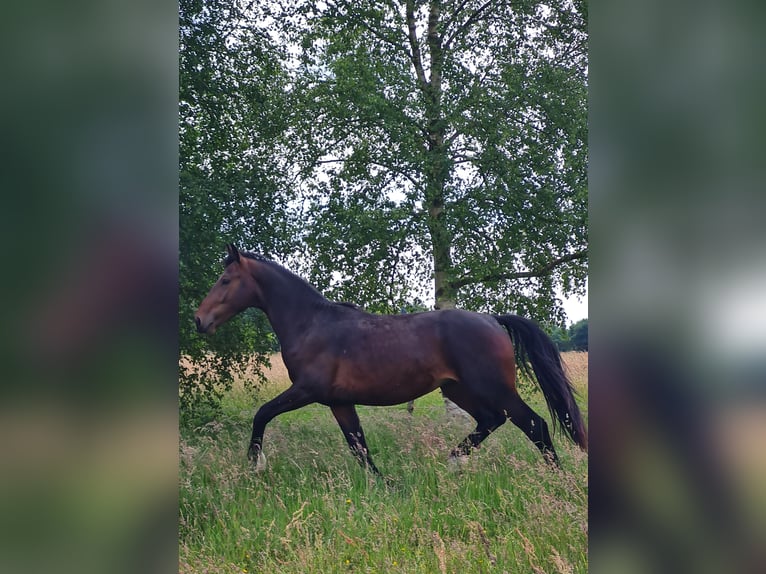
<point>232,179</point>
<point>495,143</point>
<point>389,153</point>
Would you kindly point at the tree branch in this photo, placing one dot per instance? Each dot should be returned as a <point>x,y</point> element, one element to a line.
<point>468,22</point>
<point>541,272</point>
<point>350,6</point>
<point>417,61</point>
<point>455,15</point>
<point>398,171</point>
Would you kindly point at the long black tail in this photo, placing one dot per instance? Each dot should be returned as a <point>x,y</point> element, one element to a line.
<point>536,353</point>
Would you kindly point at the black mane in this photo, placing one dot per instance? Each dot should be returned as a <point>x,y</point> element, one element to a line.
<point>276,266</point>
<point>347,304</point>
<point>258,257</point>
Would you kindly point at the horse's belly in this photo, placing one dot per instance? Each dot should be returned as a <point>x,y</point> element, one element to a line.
<point>387,382</point>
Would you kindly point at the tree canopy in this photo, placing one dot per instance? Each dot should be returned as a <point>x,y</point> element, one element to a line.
<point>413,153</point>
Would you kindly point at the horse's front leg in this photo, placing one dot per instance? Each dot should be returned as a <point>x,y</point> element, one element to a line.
<point>293,398</point>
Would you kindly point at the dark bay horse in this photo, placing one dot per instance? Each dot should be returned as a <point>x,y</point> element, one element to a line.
<point>340,356</point>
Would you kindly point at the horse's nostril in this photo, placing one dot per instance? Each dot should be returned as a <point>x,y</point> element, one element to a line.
<point>198,322</point>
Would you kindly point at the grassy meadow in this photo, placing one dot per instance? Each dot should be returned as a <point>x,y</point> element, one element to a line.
<point>314,509</point>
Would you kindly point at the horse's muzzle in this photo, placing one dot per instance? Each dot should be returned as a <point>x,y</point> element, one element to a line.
<point>198,322</point>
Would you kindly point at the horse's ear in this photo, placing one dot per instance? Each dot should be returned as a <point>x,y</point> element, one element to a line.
<point>233,251</point>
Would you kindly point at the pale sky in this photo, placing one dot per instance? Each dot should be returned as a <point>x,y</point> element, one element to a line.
<point>576,308</point>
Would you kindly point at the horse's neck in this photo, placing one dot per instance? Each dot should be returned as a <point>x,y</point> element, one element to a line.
<point>290,304</point>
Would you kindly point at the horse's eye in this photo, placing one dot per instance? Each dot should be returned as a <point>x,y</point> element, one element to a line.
<point>225,281</point>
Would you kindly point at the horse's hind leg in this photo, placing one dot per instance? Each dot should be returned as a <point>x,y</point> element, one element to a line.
<point>533,425</point>
<point>348,421</point>
<point>487,420</point>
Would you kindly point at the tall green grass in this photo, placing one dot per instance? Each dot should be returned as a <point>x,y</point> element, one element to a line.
<point>314,509</point>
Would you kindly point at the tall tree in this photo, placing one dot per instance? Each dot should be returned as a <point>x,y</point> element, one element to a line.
<point>442,140</point>
<point>398,153</point>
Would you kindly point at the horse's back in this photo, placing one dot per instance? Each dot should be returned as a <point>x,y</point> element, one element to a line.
<point>433,338</point>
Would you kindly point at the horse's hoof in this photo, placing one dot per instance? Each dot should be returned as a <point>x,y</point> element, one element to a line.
<point>259,463</point>
<point>552,459</point>
<point>456,462</point>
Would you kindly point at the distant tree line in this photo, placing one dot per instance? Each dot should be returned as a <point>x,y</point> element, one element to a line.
<point>574,338</point>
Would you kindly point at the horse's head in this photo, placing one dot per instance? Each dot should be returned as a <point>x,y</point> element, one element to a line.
<point>235,291</point>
